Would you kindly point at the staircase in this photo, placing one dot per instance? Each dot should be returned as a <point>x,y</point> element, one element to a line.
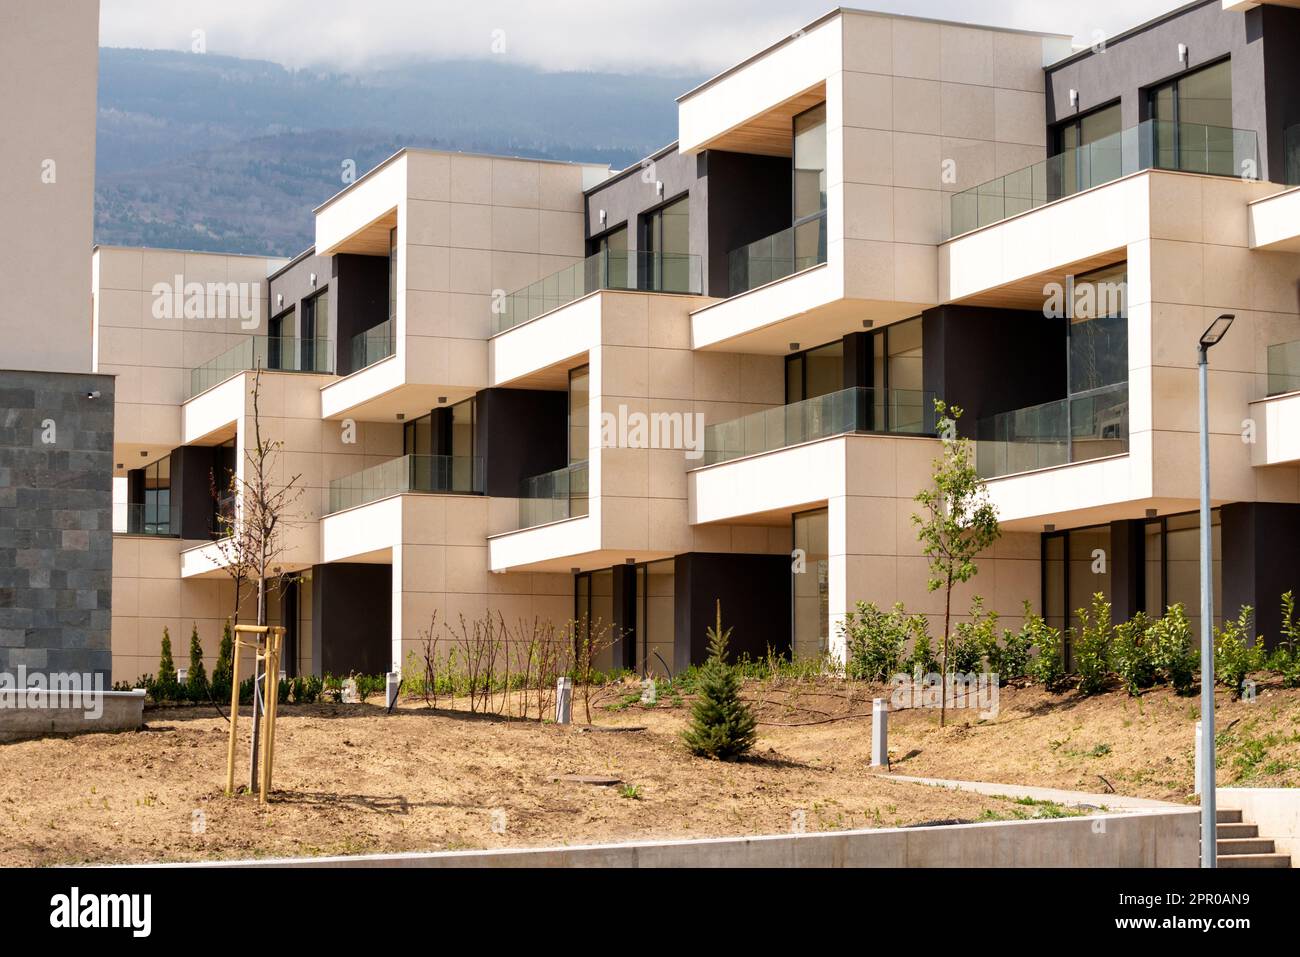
<point>1239,844</point>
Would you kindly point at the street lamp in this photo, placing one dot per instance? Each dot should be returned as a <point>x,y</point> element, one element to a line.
<point>1209,857</point>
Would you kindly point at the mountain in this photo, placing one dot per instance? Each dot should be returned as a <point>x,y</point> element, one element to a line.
<point>217,153</point>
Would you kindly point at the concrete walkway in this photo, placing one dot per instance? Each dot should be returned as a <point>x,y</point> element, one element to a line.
<point>1112,802</point>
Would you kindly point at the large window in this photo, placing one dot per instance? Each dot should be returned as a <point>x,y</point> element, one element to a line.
<point>593,595</point>
<point>814,372</point>
<point>443,432</point>
<point>1098,330</point>
<point>810,187</point>
<point>158,498</point>
<point>1193,121</point>
<point>666,235</point>
<point>579,414</point>
<point>608,267</point>
<point>810,584</point>
<point>315,322</point>
<point>655,616</point>
<point>888,361</point>
<point>1080,169</point>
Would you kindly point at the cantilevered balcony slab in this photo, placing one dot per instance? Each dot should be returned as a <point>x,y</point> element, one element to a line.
<point>1275,222</point>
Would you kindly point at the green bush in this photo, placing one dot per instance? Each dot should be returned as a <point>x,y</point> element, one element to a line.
<point>1012,658</point>
<point>1286,657</point>
<point>306,689</point>
<point>973,639</point>
<point>368,685</point>
<point>1048,665</point>
<point>1092,647</point>
<point>875,641</point>
<point>922,659</point>
<point>1234,658</point>
<point>1176,659</point>
<point>196,680</point>
<point>1133,654</point>
<point>722,726</point>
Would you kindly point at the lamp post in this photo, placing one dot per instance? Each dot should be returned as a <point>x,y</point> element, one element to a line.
<point>1209,856</point>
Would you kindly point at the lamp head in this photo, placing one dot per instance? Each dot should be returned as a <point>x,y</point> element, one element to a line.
<point>1218,329</point>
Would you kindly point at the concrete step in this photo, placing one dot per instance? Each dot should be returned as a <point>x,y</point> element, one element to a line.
<point>1245,845</point>
<point>1255,860</point>
<point>1227,817</point>
<point>1223,831</point>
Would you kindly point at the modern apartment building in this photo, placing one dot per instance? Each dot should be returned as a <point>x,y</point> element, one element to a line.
<point>550,391</point>
<point>56,416</point>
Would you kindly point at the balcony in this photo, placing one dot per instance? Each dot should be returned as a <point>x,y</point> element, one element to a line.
<point>627,272</point>
<point>278,353</point>
<point>1283,368</point>
<point>159,521</point>
<point>777,256</point>
<point>1090,425</point>
<point>376,343</point>
<point>1181,147</point>
<point>410,473</point>
<point>884,411</point>
<point>554,496</point>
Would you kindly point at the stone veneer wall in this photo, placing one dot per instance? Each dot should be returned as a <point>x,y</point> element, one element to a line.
<point>56,520</point>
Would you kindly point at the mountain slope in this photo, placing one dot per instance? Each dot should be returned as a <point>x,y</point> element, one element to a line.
<point>229,155</point>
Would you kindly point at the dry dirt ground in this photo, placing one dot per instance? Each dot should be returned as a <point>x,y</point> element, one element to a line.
<point>351,779</point>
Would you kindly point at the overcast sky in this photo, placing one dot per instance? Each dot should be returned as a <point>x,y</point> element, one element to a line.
<point>663,36</point>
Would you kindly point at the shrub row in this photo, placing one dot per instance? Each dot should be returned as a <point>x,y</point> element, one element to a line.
<point>1141,653</point>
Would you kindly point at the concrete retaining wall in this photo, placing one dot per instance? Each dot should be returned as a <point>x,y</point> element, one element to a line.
<point>1137,839</point>
<point>24,715</point>
<point>1276,811</point>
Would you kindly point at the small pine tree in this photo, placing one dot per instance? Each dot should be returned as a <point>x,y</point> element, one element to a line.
<point>722,726</point>
<point>165,686</point>
<point>196,681</point>
<point>223,671</point>
<point>166,667</point>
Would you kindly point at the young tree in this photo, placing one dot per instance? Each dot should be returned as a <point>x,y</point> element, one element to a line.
<point>722,726</point>
<point>957,523</point>
<point>254,541</point>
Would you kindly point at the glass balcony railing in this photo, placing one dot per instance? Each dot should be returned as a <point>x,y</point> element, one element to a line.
<point>279,353</point>
<point>554,496</point>
<point>1185,147</point>
<point>378,342</point>
<point>163,521</point>
<point>628,271</point>
<point>1284,368</point>
<point>777,256</point>
<point>1090,425</point>
<point>897,411</point>
<point>410,473</point>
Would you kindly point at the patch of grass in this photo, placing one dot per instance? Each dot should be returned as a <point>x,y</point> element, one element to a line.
<point>630,791</point>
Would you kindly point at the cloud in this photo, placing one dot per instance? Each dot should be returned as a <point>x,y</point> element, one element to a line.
<point>697,36</point>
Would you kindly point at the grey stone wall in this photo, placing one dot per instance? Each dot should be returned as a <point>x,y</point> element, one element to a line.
<point>56,522</point>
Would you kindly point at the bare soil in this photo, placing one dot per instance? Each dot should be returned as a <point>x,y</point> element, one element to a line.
<point>352,779</point>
